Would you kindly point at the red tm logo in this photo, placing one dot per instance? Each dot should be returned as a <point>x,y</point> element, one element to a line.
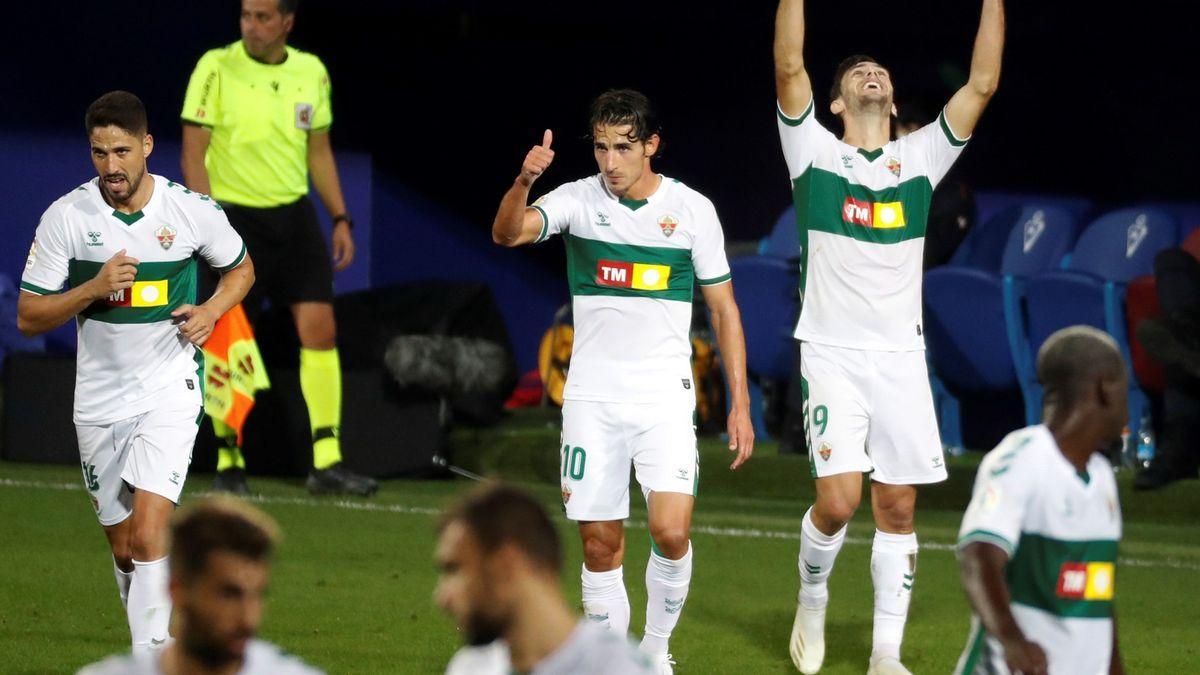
<point>857,212</point>
<point>1072,580</point>
<point>610,273</point>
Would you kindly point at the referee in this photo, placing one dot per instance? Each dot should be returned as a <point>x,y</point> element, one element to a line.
<point>256,121</point>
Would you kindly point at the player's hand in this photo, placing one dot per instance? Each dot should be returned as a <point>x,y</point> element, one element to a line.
<point>116,274</point>
<point>537,161</point>
<point>343,246</point>
<point>195,323</point>
<point>741,435</point>
<point>1025,657</point>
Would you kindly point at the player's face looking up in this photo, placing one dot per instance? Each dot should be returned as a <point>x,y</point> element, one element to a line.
<point>621,160</point>
<point>222,606</point>
<point>120,160</point>
<point>865,88</point>
<point>265,27</point>
<point>468,584</point>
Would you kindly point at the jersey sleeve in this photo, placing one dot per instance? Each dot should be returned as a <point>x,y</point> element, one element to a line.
<point>46,267</point>
<point>999,501</point>
<point>203,93</point>
<point>708,249</point>
<point>323,110</point>
<point>557,209</point>
<point>220,245</point>
<point>802,138</point>
<point>939,147</point>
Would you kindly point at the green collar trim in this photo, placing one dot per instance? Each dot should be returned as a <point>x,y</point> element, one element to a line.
<point>1084,476</point>
<point>871,155</point>
<point>128,218</point>
<point>633,204</point>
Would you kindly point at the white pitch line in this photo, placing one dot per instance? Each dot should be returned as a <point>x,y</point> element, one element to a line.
<point>731,532</point>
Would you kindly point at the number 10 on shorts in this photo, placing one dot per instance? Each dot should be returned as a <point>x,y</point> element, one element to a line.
<point>573,462</point>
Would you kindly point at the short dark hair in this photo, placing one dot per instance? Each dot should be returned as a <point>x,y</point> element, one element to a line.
<point>835,90</point>
<point>497,514</point>
<point>219,524</point>
<point>625,106</point>
<point>119,109</point>
<point>1072,358</point>
<point>288,6</point>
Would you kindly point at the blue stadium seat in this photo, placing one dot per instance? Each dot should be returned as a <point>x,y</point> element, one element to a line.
<point>766,289</point>
<point>1114,249</point>
<point>973,319</point>
<point>983,247</point>
<point>784,240</point>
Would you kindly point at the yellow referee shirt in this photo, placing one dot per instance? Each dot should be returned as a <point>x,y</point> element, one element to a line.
<point>260,116</point>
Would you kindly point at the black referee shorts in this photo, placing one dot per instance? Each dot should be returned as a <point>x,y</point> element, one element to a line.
<point>291,260</point>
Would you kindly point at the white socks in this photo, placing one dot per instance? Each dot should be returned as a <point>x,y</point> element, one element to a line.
<point>149,605</point>
<point>605,602</point>
<point>893,568</point>
<point>123,581</point>
<point>667,584</point>
<point>817,554</point>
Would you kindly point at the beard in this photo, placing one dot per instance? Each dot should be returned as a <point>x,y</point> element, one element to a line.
<point>131,184</point>
<point>481,630</point>
<point>206,647</point>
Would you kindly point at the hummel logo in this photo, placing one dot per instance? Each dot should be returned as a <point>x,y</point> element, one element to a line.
<point>673,606</point>
<point>602,219</point>
<point>598,618</point>
<point>155,643</point>
<point>937,462</point>
<point>812,569</point>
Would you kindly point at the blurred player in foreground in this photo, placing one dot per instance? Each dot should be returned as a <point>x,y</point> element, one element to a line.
<point>637,243</point>
<point>862,208</point>
<point>221,552</point>
<point>1038,543</point>
<point>499,559</point>
<point>119,254</point>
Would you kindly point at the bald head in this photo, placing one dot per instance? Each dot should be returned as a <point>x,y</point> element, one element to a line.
<point>1074,360</point>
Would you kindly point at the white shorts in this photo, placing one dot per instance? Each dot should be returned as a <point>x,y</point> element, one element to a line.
<point>148,452</point>
<point>600,441</point>
<point>870,412</point>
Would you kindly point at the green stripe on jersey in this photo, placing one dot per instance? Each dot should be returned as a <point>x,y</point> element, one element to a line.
<point>1036,574</point>
<point>606,268</point>
<point>180,276</point>
<point>823,197</point>
<point>25,285</point>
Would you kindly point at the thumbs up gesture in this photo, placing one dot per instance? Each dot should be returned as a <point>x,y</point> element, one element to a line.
<point>538,160</point>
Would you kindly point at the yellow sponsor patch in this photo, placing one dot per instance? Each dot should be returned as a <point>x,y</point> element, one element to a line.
<point>1099,581</point>
<point>650,277</point>
<point>148,294</point>
<point>887,215</point>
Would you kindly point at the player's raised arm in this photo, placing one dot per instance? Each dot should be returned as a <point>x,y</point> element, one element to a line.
<point>792,85</point>
<point>516,223</point>
<point>967,104</point>
<point>982,567</point>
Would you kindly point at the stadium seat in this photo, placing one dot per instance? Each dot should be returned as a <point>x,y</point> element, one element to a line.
<point>973,318</point>
<point>784,240</point>
<point>1112,251</point>
<point>988,203</point>
<point>983,247</point>
<point>11,339</point>
<point>766,289</point>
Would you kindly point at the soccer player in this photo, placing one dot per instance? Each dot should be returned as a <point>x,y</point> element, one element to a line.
<point>256,122</point>
<point>125,245</point>
<point>637,242</point>
<point>220,559</point>
<point>1038,543</point>
<point>862,203</point>
<point>499,559</point>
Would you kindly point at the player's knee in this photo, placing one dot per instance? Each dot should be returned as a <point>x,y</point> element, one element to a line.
<point>601,555</point>
<point>147,543</point>
<point>123,557</point>
<point>831,514</point>
<point>672,541</point>
<point>895,516</point>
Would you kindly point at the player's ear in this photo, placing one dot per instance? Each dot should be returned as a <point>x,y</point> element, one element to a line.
<point>652,145</point>
<point>895,111</point>
<point>836,106</point>
<point>147,145</point>
<point>289,20</point>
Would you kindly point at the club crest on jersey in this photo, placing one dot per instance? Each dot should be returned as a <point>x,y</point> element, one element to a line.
<point>304,112</point>
<point>165,236</point>
<point>638,276</point>
<point>825,451</point>
<point>1085,581</point>
<point>875,215</point>
<point>668,224</point>
<point>893,165</point>
<point>32,259</point>
<point>566,493</point>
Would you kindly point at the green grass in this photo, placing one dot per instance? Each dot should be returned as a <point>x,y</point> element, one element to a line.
<point>351,588</point>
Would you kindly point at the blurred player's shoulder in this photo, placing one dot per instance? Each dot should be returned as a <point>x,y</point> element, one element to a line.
<point>120,665</point>
<point>480,660</point>
<point>1025,448</point>
<point>263,658</point>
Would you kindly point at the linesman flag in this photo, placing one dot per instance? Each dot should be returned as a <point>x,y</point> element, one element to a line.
<point>233,371</point>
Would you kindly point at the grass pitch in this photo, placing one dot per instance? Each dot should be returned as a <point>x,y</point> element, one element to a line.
<point>351,590</point>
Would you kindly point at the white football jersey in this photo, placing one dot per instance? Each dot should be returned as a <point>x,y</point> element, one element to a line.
<point>631,267</point>
<point>862,218</point>
<point>130,349</point>
<point>262,658</point>
<point>1060,528</point>
<point>589,651</point>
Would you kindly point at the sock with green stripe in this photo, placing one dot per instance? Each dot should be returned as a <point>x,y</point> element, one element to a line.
<point>229,455</point>
<point>818,551</point>
<point>893,569</point>
<point>321,382</point>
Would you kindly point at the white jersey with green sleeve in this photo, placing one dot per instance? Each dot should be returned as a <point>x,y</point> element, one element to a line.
<point>130,349</point>
<point>262,658</point>
<point>632,266</point>
<point>862,218</point>
<point>590,650</point>
<point>1060,528</point>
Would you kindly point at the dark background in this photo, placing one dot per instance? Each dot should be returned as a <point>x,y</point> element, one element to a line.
<point>1097,99</point>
